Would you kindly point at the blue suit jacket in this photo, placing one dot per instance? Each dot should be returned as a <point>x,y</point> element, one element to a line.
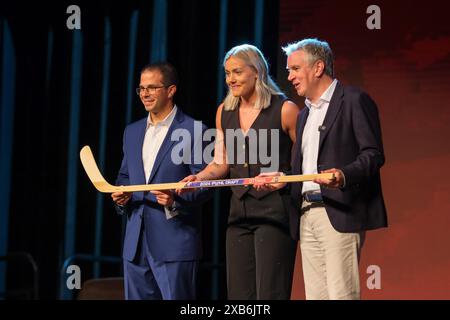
<point>350,140</point>
<point>178,238</point>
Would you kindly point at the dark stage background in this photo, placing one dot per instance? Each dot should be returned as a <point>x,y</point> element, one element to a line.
<point>50,209</point>
<point>46,139</point>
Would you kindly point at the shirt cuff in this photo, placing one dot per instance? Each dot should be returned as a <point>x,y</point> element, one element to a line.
<point>343,176</point>
<point>171,211</point>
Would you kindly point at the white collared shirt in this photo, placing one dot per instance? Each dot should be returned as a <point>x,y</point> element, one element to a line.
<point>154,137</point>
<point>311,135</point>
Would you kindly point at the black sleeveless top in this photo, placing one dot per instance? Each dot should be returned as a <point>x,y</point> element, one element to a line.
<point>248,154</point>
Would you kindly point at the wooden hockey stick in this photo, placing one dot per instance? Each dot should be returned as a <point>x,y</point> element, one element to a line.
<point>91,168</point>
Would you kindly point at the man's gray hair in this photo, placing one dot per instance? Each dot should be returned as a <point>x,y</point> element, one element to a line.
<point>315,50</point>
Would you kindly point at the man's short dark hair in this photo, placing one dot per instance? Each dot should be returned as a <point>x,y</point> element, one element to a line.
<point>168,72</point>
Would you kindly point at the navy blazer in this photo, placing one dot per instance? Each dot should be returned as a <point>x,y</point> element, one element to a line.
<point>178,238</point>
<point>350,140</point>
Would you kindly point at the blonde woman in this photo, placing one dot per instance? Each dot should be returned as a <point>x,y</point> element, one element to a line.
<point>254,116</point>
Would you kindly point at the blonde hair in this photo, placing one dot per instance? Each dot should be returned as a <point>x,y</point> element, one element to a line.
<point>265,87</point>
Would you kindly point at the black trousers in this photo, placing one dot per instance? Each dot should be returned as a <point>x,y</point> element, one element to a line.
<point>260,262</point>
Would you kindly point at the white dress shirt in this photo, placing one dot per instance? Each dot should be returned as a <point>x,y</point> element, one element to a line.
<point>154,137</point>
<point>311,135</point>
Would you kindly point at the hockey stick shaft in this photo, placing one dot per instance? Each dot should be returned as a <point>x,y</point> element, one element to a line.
<point>91,168</point>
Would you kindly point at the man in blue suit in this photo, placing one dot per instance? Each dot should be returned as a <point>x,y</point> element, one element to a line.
<point>162,243</point>
<point>339,131</point>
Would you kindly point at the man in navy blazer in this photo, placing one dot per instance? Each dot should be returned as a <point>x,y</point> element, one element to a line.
<point>162,244</point>
<point>339,131</point>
